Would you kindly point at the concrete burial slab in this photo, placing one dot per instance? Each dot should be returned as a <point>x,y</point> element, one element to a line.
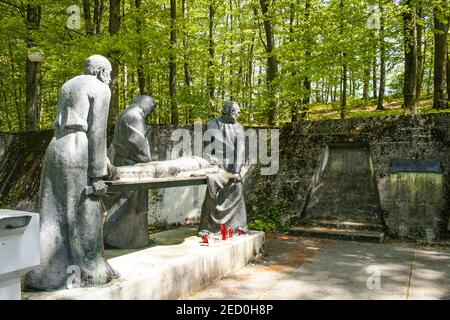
<point>168,272</point>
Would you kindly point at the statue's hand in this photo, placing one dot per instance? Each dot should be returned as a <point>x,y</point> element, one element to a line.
<point>236,177</point>
<point>113,173</point>
<point>99,187</point>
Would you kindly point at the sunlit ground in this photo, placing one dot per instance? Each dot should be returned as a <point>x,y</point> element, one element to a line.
<point>364,109</point>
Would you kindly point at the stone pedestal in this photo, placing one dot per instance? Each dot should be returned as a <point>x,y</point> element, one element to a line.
<point>169,272</point>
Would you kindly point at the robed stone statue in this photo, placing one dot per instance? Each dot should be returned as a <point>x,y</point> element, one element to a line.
<point>71,221</point>
<point>126,224</point>
<point>224,198</point>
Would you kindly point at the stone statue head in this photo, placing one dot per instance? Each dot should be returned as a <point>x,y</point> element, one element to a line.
<point>146,103</point>
<point>230,112</point>
<point>98,66</point>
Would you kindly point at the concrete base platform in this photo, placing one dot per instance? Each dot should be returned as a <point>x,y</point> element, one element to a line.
<point>168,272</point>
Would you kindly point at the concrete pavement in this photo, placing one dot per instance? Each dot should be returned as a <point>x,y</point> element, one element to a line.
<point>306,268</point>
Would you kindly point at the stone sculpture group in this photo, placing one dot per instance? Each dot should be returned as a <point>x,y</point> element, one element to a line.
<point>73,228</point>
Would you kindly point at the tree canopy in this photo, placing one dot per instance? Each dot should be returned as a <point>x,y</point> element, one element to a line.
<point>277,58</point>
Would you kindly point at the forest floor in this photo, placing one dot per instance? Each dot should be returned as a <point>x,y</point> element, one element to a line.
<point>362,109</point>
<point>309,268</point>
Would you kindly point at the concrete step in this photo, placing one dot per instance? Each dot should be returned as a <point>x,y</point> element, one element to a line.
<point>338,233</point>
<point>347,225</point>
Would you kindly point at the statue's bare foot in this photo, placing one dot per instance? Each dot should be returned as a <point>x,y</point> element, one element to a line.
<point>102,274</point>
<point>114,274</point>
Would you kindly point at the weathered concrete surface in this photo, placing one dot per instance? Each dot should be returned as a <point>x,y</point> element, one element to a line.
<point>301,268</point>
<point>169,272</point>
<point>419,200</point>
<point>399,137</point>
<point>344,187</point>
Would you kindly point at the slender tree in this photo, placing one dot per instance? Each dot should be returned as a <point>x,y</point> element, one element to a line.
<point>33,18</point>
<point>173,64</point>
<point>272,62</point>
<point>211,50</point>
<point>420,52</point>
<point>89,27</point>
<point>440,43</point>
<point>410,47</point>
<point>99,10</point>
<point>308,44</point>
<point>374,78</point>
<point>140,54</point>
<point>114,27</point>
<point>344,66</point>
<point>381,92</point>
<point>187,67</point>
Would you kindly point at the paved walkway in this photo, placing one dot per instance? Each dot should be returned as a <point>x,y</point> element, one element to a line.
<point>305,268</point>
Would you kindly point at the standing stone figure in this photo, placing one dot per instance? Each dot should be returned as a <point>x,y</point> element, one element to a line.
<point>126,224</point>
<point>224,199</point>
<point>71,221</point>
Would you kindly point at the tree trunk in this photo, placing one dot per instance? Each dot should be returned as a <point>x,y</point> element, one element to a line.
<point>420,53</point>
<point>344,73</point>
<point>249,83</point>
<point>140,68</point>
<point>272,63</point>
<point>410,43</point>
<point>211,50</point>
<point>114,27</point>
<point>344,92</point>
<point>294,104</point>
<point>306,82</point>
<point>440,41</point>
<point>230,55</point>
<point>187,67</point>
<point>366,83</point>
<point>33,18</point>
<point>448,71</point>
<point>172,64</point>
<point>16,95</point>
<point>88,18</point>
<point>99,9</point>
<point>430,75</point>
<point>380,102</point>
<point>374,78</point>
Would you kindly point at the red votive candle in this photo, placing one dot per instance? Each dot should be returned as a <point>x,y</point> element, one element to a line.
<point>240,231</point>
<point>230,233</point>
<point>223,231</point>
<point>205,239</point>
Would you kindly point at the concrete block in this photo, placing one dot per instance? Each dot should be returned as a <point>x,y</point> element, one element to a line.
<point>168,272</point>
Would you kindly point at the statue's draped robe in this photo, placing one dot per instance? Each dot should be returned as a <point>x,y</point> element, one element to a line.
<point>71,222</point>
<point>126,224</point>
<point>224,198</point>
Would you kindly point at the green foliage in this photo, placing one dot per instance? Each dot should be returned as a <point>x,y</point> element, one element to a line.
<point>261,225</point>
<point>312,43</point>
<point>158,225</point>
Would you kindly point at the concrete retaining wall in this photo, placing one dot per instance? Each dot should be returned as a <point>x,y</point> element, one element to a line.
<point>281,197</point>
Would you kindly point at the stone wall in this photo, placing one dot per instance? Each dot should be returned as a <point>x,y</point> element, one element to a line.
<point>284,196</point>
<point>280,198</point>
